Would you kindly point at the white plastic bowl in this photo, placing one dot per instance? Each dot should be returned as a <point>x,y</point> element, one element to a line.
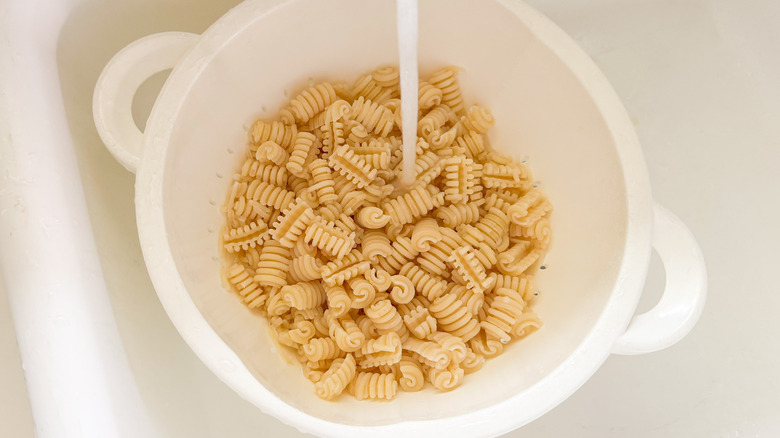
<point>551,104</point>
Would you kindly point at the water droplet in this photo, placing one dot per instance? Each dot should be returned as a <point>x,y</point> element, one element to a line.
<point>543,267</point>
<point>536,184</point>
<point>219,175</point>
<point>213,202</point>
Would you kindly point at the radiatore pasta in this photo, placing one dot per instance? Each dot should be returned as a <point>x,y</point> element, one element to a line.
<point>377,288</point>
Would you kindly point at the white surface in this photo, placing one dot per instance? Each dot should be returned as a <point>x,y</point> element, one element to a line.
<point>698,80</point>
<point>564,108</point>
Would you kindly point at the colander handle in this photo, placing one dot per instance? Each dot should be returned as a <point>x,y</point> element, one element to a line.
<point>683,299</point>
<point>113,98</point>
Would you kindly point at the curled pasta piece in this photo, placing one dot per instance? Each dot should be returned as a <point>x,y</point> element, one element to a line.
<point>372,218</point>
<point>460,181</point>
<point>374,386</point>
<point>527,323</point>
<point>447,379</point>
<point>335,380</point>
<point>271,152</point>
<point>478,119</point>
<point>453,317</point>
<point>435,119</point>
<point>339,302</point>
<point>273,265</point>
<point>305,267</point>
<point>362,292</point>
<point>473,144</point>
<point>412,377</point>
<point>329,238</point>
<point>420,322</point>
<point>305,295</point>
<point>323,181</point>
<point>245,237</point>
<point>292,222</point>
<point>350,266</point>
<point>332,136</point>
<point>413,204</point>
<point>379,278</point>
<point>303,332</point>
<point>486,346</point>
<point>375,244</point>
<point>503,176</point>
<point>386,318</point>
<point>366,87</point>
<point>402,290</point>
<point>401,252</point>
<point>278,132</point>
<point>319,349</point>
<point>333,113</point>
<point>345,332</point>
<point>366,326</point>
<point>386,77</point>
<point>425,233</point>
<point>352,166</point>
<point>454,345</point>
<point>375,117</point>
<point>469,268</point>
<point>473,361</point>
<point>301,151</point>
<point>309,103</point>
<point>430,353</point>
<point>425,284</point>
<point>267,172</point>
<point>435,260</point>
<point>269,194</point>
<point>446,80</point>
<point>502,314</point>
<point>457,214</point>
<point>428,95</point>
<point>244,283</point>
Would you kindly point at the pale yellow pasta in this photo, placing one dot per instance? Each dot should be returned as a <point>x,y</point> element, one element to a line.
<point>373,285</point>
<point>335,380</point>
<point>425,284</point>
<point>368,385</point>
<point>273,265</point>
<point>278,132</point>
<point>271,152</point>
<point>412,378</point>
<point>243,281</point>
<point>375,117</point>
<point>372,218</point>
<point>304,142</point>
<point>478,119</point>
<point>309,103</point>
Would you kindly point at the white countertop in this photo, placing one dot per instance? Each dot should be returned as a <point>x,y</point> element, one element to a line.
<point>700,81</point>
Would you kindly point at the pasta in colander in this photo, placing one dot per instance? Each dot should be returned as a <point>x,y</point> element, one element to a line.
<point>378,288</point>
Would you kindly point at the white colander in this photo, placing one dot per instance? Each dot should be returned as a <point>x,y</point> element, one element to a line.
<point>551,104</point>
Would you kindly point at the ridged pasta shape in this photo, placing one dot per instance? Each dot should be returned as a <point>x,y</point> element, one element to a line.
<point>433,120</point>
<point>502,313</point>
<point>362,292</point>
<point>402,289</point>
<point>486,345</point>
<point>366,87</point>
<point>243,282</point>
<point>302,332</point>
<point>425,233</point>
<point>375,245</point>
<point>375,117</point>
<point>333,113</point>
<point>301,151</point>
<point>350,266</point>
<point>447,379</point>
<point>366,326</point>
<point>345,332</point>
<point>434,261</point>
<point>527,323</point>
<point>332,137</point>
<point>309,103</point>
<point>401,252</point>
<point>446,80</point>
<point>478,119</point>
<point>470,269</point>
<point>383,350</point>
<point>413,204</point>
<point>292,223</point>
<point>352,166</point>
<point>319,349</point>
<point>420,322</point>
<point>459,179</point>
<point>305,267</point>
<point>338,300</point>
<point>386,318</point>
<point>329,238</point>
<point>503,176</point>
<point>269,195</point>
<point>425,284</point>
<point>374,386</point>
<point>430,353</point>
<point>473,144</point>
<point>304,295</point>
<point>372,218</point>
<point>428,95</point>
<point>245,237</point>
<point>335,380</point>
<point>379,278</point>
<point>267,172</point>
<point>323,182</point>
<point>457,214</point>
<point>273,265</point>
<point>454,345</point>
<point>271,152</point>
<point>278,132</point>
<point>412,378</point>
<point>453,317</point>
